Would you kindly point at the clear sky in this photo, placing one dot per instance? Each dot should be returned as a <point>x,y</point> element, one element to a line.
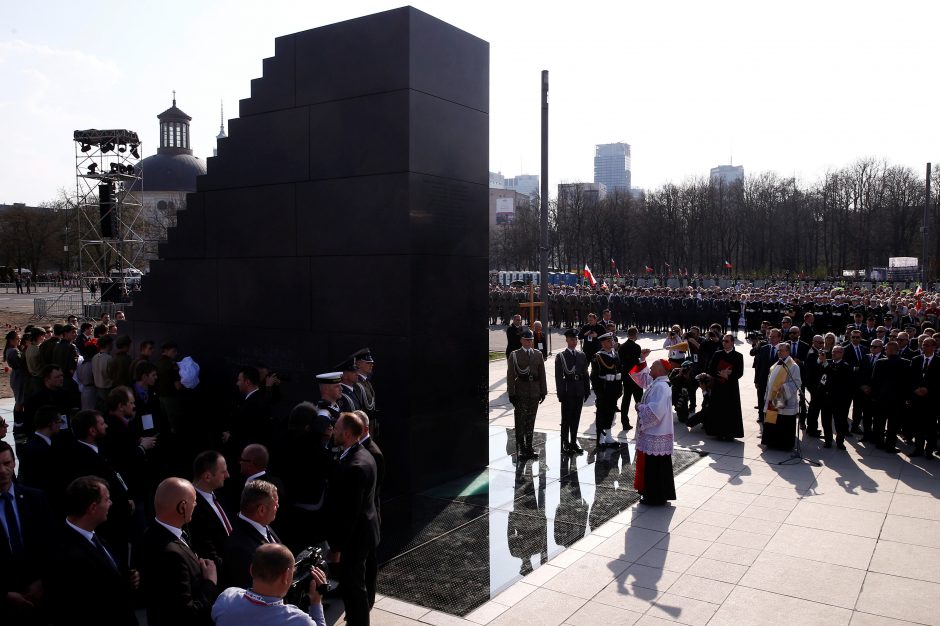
<point>797,87</point>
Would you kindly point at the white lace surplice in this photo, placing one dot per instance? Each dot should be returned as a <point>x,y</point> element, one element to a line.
<point>654,428</point>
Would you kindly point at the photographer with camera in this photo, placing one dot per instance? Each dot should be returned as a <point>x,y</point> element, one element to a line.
<point>272,573</point>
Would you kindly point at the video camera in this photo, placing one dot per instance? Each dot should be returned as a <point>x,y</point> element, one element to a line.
<point>311,557</point>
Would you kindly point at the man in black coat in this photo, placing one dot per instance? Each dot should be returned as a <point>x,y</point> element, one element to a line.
<point>629,354</point>
<point>86,458</point>
<point>514,334</point>
<point>764,359</point>
<point>378,456</point>
<point>856,355</point>
<point>210,525</point>
<point>250,529</point>
<point>179,587</point>
<point>835,389</point>
<point>355,523</point>
<point>41,456</point>
<point>250,421</point>
<point>925,371</point>
<point>50,393</point>
<point>891,387</point>
<point>83,566</point>
<point>24,537</point>
<point>573,387</point>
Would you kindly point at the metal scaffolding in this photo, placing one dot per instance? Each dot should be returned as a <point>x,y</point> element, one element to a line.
<point>109,218</point>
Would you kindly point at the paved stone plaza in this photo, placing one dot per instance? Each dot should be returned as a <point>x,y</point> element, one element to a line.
<point>748,542</point>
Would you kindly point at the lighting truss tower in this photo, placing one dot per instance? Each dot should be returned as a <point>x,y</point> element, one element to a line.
<point>108,216</point>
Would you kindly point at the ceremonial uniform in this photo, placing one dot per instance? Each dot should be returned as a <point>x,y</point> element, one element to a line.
<point>573,389</point>
<point>607,378</point>
<point>527,388</point>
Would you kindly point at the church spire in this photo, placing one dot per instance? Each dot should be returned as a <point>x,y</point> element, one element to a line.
<point>221,134</point>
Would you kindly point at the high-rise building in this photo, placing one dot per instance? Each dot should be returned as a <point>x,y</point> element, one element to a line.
<point>588,193</point>
<point>612,166</point>
<point>727,174</point>
<point>526,184</point>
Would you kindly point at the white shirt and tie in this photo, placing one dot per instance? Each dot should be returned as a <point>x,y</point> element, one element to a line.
<point>216,506</point>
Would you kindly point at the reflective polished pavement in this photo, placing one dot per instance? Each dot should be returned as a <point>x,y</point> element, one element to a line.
<point>456,546</point>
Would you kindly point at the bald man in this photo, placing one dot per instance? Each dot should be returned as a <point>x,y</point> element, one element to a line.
<point>179,587</point>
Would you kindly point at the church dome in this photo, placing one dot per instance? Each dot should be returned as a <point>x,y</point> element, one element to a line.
<point>173,167</point>
<point>170,172</point>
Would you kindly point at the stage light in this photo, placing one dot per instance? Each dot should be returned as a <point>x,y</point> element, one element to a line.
<point>134,152</point>
<point>86,147</point>
<point>122,148</point>
<point>92,168</point>
<point>114,168</point>
<point>107,147</point>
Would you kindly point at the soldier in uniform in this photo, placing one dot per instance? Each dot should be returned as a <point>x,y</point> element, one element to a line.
<point>607,378</point>
<point>330,393</point>
<point>365,392</point>
<point>348,401</point>
<point>573,389</point>
<point>527,390</point>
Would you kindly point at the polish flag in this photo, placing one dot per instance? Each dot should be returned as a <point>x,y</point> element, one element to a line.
<point>649,270</point>
<point>919,291</point>
<point>589,275</point>
<point>727,265</point>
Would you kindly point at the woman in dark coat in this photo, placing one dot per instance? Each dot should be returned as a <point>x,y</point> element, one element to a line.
<point>726,367</point>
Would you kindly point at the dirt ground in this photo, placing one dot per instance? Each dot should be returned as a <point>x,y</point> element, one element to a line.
<point>8,321</point>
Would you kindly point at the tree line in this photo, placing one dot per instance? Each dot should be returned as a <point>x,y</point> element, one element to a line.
<point>852,218</point>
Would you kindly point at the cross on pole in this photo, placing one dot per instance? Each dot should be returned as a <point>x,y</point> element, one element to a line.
<point>531,305</point>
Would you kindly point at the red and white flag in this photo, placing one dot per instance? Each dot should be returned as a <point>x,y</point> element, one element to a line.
<point>727,265</point>
<point>589,275</point>
<point>919,291</point>
<point>649,270</point>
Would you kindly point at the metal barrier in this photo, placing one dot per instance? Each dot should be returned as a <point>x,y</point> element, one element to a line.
<point>71,304</point>
<point>36,287</point>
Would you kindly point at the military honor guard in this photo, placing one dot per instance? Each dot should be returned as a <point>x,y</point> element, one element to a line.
<point>365,392</point>
<point>573,388</point>
<point>527,390</point>
<point>607,379</point>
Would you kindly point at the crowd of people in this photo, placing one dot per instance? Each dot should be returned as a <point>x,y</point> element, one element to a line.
<point>656,309</point>
<point>857,363</point>
<point>125,492</point>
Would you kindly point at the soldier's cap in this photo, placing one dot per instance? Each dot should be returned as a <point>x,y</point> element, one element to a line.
<point>349,365</point>
<point>606,336</point>
<point>527,334</point>
<point>363,355</point>
<point>571,333</point>
<point>329,378</point>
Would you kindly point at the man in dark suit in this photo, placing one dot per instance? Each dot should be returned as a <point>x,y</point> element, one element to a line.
<point>250,421</point>
<point>835,388</point>
<point>629,357</point>
<point>573,387</point>
<point>250,529</point>
<point>25,520</point>
<point>49,393</point>
<point>891,387</point>
<point>252,465</point>
<point>764,359</point>
<point>856,355</point>
<point>41,455</point>
<point>179,587</point>
<point>210,526</point>
<point>84,567</point>
<point>811,380</point>
<point>369,444</point>
<point>925,371</point>
<point>86,458</point>
<point>355,523</point>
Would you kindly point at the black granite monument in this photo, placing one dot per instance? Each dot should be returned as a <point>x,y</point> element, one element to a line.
<point>348,208</point>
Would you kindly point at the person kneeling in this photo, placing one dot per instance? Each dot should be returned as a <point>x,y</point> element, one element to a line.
<point>272,571</point>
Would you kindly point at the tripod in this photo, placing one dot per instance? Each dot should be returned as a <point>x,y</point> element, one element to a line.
<point>796,457</point>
